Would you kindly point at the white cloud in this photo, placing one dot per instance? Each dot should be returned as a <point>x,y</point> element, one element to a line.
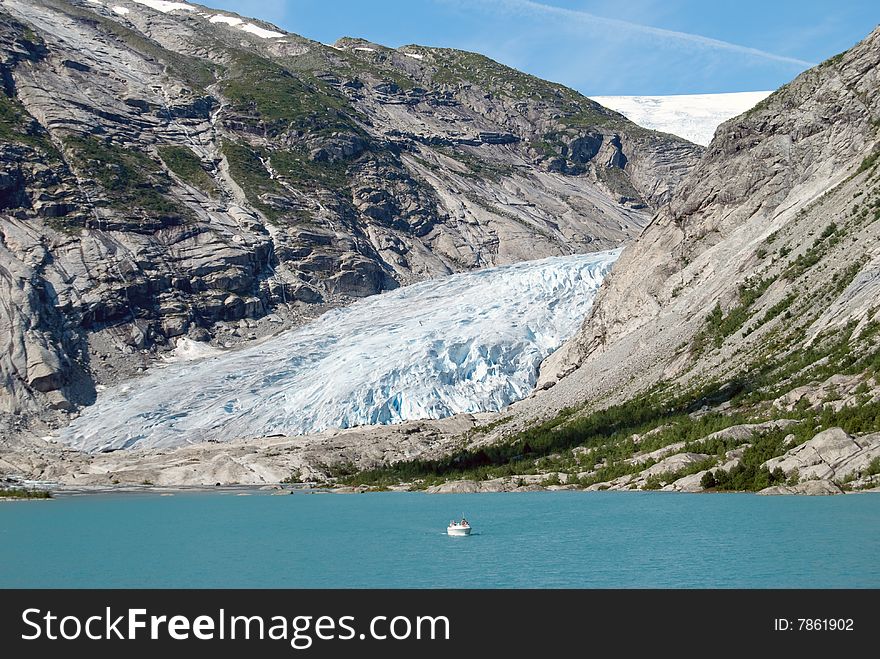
<point>537,8</point>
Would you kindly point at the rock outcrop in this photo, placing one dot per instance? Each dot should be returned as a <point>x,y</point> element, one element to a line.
<point>832,455</point>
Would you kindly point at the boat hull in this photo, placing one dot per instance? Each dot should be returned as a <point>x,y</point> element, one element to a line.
<point>458,530</point>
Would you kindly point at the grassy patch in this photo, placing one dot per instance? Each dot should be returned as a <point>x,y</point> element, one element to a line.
<point>844,278</point>
<point>293,166</point>
<point>19,127</point>
<point>249,172</point>
<point>618,182</point>
<point>131,178</point>
<point>836,352</point>
<point>280,100</point>
<point>776,310</point>
<point>296,166</point>
<point>188,166</point>
<point>868,162</point>
<point>578,112</point>
<point>720,325</point>
<point>829,237</point>
<point>358,63</point>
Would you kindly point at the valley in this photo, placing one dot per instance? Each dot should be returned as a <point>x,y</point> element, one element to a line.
<point>248,257</point>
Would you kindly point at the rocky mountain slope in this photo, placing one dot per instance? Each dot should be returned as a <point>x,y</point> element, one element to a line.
<point>770,244</point>
<point>170,170</point>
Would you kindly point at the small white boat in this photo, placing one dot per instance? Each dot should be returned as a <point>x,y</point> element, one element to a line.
<point>458,528</point>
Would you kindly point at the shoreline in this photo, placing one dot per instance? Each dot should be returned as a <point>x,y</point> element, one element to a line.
<point>286,489</point>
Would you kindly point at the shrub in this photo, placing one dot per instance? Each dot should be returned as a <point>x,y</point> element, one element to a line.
<point>707,482</point>
<point>24,493</point>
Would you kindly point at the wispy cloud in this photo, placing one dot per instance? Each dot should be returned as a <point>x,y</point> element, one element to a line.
<point>537,8</point>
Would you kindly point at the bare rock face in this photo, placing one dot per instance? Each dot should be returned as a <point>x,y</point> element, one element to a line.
<point>810,488</point>
<point>164,176</point>
<point>773,232</point>
<point>830,455</point>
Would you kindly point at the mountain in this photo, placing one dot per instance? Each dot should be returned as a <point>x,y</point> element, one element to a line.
<point>776,228</point>
<point>691,116</point>
<point>168,170</point>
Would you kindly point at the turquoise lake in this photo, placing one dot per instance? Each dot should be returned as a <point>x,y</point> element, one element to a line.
<point>398,540</point>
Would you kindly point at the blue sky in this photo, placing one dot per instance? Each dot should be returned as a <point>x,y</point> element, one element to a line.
<point>601,46</point>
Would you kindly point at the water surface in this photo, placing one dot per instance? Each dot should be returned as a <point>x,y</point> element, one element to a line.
<point>531,540</point>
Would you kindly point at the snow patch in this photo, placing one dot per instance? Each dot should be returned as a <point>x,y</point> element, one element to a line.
<point>122,11</point>
<point>165,6</point>
<point>691,116</point>
<point>365,49</point>
<point>415,55</point>
<point>188,350</point>
<point>234,21</point>
<point>261,32</point>
<point>470,342</point>
<point>229,20</point>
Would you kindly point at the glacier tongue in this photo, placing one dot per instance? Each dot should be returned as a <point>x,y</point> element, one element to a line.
<point>465,343</point>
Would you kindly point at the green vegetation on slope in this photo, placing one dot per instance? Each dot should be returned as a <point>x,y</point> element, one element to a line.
<point>296,167</point>
<point>594,447</point>
<point>249,172</point>
<point>346,63</point>
<point>831,235</point>
<point>248,168</point>
<point>279,100</point>
<point>19,127</point>
<point>24,493</point>
<point>131,178</point>
<point>749,475</point>
<point>188,166</point>
<point>720,325</point>
<point>459,66</point>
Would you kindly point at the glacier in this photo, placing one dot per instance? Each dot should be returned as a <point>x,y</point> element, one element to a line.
<point>691,116</point>
<point>468,342</point>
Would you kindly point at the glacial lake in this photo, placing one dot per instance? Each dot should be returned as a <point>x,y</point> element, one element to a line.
<point>398,540</point>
